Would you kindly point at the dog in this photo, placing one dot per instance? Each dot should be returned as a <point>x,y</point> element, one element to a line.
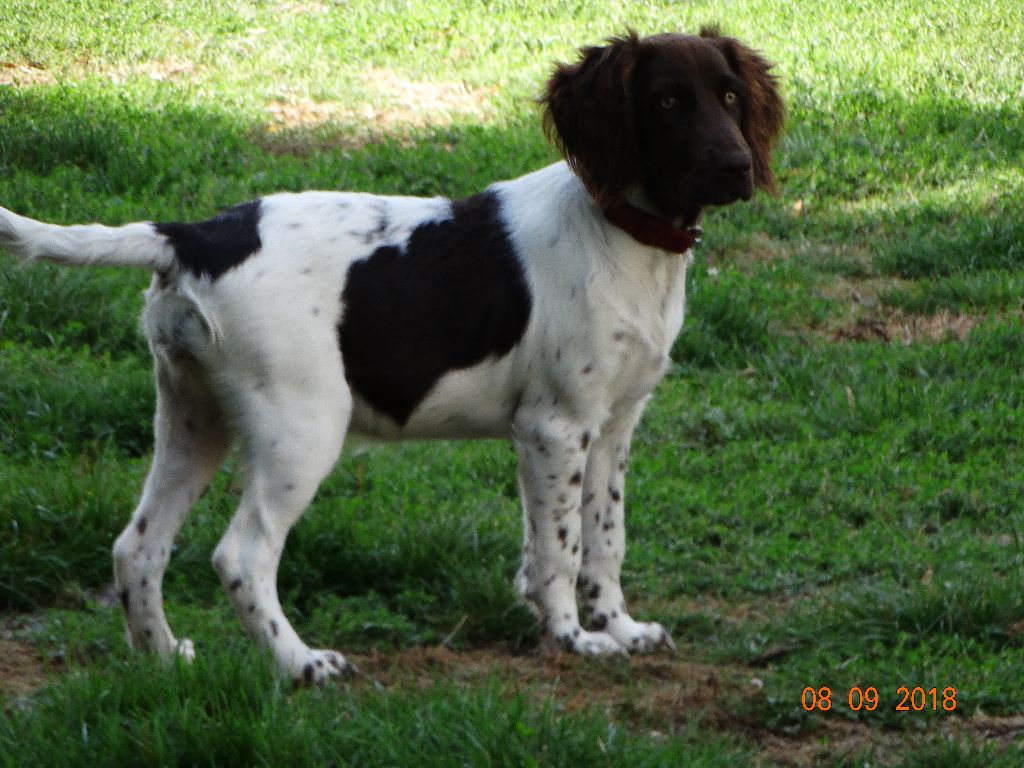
<point>541,310</point>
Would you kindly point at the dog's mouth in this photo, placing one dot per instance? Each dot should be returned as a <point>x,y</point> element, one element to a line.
<point>725,188</point>
<point>684,201</point>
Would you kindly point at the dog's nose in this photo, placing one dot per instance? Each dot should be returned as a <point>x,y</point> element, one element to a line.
<point>737,162</point>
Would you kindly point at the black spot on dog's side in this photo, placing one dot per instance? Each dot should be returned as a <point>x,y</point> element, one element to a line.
<point>576,479</point>
<point>212,247</point>
<point>236,585</point>
<point>453,296</point>
<point>381,230</point>
<point>141,526</point>
<point>273,628</point>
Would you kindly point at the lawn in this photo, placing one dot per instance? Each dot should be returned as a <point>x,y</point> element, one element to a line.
<point>826,491</point>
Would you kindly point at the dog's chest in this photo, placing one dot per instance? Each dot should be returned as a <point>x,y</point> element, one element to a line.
<point>636,320</point>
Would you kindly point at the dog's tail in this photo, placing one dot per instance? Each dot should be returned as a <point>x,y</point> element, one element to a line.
<point>132,245</point>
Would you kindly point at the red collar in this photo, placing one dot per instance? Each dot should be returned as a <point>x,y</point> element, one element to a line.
<point>650,230</point>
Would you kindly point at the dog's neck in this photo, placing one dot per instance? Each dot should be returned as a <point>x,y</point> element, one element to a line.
<point>651,230</point>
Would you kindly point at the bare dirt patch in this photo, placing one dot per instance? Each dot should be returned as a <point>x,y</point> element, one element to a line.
<point>21,671</point>
<point>160,70</point>
<point>397,109</point>
<point>652,693</point>
<point>20,74</point>
<point>842,738</point>
<point>12,73</point>
<point>861,315</point>
<point>897,326</point>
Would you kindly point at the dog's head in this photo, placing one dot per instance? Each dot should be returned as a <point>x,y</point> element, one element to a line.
<point>689,120</point>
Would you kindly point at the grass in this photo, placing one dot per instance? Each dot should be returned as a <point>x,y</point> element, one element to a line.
<point>826,489</point>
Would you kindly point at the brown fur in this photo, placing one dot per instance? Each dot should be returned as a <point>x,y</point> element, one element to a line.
<point>585,115</point>
<point>764,113</point>
<point>589,112</point>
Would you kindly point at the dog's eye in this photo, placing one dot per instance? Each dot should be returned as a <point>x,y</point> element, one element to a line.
<point>730,98</point>
<point>668,102</point>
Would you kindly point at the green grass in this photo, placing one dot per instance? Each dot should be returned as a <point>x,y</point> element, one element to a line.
<point>805,510</point>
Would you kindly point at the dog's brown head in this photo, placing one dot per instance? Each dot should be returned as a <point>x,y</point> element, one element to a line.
<point>690,120</point>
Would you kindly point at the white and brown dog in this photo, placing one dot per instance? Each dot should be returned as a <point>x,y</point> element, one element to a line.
<point>541,310</point>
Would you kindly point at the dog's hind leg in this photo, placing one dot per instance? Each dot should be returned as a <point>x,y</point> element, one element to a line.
<point>191,440</point>
<point>292,432</point>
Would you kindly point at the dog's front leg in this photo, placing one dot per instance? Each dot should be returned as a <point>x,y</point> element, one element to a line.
<point>552,459</point>
<point>604,538</point>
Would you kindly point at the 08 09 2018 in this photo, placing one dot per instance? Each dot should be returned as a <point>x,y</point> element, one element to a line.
<point>908,699</point>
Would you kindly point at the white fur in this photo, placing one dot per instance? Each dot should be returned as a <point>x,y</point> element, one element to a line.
<point>254,355</point>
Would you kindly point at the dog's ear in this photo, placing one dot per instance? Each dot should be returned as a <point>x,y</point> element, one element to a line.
<point>589,115</point>
<point>763,113</point>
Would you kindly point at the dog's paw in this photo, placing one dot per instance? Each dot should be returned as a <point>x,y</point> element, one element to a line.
<point>185,650</point>
<point>592,644</point>
<point>641,637</point>
<point>324,666</point>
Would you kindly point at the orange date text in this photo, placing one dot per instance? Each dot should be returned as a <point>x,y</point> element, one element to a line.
<point>908,699</point>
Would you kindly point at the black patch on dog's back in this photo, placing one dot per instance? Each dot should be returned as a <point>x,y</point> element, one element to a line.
<point>455,295</point>
<point>214,246</point>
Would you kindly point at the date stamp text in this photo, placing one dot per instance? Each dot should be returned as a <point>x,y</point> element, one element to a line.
<point>907,699</point>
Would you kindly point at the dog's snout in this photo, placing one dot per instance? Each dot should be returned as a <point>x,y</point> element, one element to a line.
<point>736,162</point>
